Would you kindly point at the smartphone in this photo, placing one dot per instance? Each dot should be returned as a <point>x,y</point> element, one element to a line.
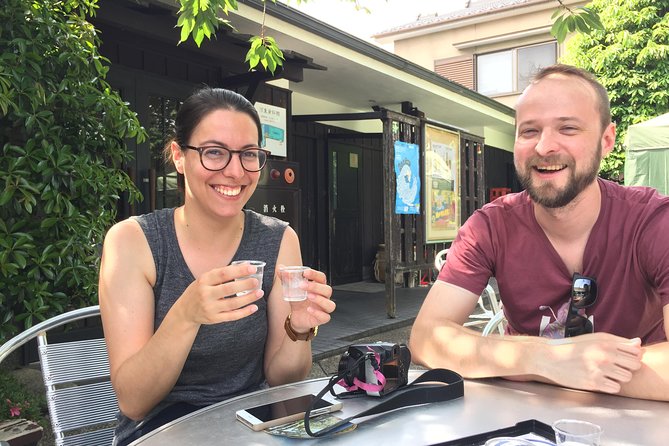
<point>280,412</point>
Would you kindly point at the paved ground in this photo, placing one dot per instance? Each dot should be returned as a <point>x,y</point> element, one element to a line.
<point>361,312</point>
<point>361,317</point>
<point>328,366</point>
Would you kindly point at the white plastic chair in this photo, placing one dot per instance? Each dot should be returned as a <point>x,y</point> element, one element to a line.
<point>82,404</point>
<point>486,314</point>
<point>497,322</point>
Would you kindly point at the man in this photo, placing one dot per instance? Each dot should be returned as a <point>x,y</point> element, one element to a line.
<point>571,253</point>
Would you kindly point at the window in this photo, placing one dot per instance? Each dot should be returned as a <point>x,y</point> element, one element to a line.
<point>510,71</point>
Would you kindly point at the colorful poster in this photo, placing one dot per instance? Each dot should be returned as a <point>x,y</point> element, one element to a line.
<point>407,178</point>
<point>273,123</point>
<point>442,184</point>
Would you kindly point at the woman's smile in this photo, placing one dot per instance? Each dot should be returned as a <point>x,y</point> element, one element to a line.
<point>228,191</point>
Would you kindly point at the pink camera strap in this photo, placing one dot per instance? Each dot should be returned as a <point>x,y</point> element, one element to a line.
<point>367,387</point>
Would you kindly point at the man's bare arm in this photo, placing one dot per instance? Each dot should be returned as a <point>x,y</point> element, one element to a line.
<point>597,362</point>
<point>651,381</point>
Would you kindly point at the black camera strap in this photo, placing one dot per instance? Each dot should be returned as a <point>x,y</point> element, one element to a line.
<point>432,386</point>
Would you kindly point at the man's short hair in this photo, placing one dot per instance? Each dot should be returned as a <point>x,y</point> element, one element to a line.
<point>568,70</point>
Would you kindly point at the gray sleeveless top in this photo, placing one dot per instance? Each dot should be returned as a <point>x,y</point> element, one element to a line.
<point>227,358</point>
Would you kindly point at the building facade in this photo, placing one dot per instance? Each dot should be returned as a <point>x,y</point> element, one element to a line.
<point>341,106</point>
<point>490,46</point>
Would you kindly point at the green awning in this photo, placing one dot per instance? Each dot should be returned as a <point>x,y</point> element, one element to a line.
<point>647,154</point>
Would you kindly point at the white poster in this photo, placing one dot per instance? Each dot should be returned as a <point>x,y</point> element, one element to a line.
<point>273,120</point>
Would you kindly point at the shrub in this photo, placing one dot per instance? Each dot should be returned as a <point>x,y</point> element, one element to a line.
<point>631,59</point>
<point>18,402</point>
<point>62,131</point>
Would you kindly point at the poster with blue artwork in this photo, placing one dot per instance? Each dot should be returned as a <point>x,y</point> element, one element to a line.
<point>407,178</point>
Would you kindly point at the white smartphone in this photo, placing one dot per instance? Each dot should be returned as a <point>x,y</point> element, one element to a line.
<point>280,412</point>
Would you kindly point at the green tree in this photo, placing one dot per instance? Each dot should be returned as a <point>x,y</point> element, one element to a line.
<point>200,18</point>
<point>567,20</point>
<point>62,131</point>
<point>631,59</point>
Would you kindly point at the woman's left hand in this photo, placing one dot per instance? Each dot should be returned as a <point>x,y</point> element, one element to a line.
<point>316,309</point>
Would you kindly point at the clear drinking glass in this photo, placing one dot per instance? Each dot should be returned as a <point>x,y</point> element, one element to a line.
<point>291,278</point>
<point>260,266</point>
<point>576,433</point>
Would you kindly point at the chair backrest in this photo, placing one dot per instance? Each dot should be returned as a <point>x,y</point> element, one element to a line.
<point>81,401</point>
<point>440,259</point>
<point>486,314</point>
<point>495,323</point>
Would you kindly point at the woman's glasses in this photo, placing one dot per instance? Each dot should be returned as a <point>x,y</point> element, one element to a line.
<point>583,295</point>
<point>217,158</point>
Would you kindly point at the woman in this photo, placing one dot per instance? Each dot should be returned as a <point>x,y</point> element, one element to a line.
<point>179,337</point>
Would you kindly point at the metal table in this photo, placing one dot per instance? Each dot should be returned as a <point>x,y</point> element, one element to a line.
<point>488,405</point>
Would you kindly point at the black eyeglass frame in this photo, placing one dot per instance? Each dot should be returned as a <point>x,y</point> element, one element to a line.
<point>577,324</point>
<point>200,150</point>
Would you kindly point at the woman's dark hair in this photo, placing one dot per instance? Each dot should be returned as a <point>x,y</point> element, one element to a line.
<point>199,105</point>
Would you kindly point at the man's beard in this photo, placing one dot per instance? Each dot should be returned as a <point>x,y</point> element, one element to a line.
<point>548,195</point>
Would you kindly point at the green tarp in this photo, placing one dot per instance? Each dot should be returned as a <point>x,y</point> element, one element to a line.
<point>647,154</point>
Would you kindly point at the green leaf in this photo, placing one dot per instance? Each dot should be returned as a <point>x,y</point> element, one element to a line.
<point>48,222</point>
<point>271,63</point>
<point>556,13</point>
<point>593,19</point>
<point>581,25</point>
<point>252,58</point>
<point>256,42</point>
<point>7,195</point>
<point>20,259</point>
<point>559,29</point>
<point>199,36</point>
<point>186,28</point>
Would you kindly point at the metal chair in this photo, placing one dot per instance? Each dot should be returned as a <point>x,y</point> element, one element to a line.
<point>486,314</point>
<point>82,404</point>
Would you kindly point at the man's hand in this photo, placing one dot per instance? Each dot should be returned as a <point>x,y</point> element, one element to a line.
<point>598,362</point>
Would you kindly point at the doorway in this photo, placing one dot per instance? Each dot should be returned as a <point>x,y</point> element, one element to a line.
<point>345,174</point>
<point>156,102</point>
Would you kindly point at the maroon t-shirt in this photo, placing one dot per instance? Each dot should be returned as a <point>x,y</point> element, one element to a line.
<point>627,253</point>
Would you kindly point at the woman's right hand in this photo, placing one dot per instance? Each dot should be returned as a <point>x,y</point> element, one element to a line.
<point>212,297</point>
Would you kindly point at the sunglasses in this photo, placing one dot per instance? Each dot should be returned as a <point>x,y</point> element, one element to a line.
<point>583,295</point>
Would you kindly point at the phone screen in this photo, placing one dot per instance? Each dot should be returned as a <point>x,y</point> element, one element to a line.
<point>282,409</point>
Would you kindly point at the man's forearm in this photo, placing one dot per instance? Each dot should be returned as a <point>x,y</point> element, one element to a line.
<point>473,356</point>
<point>651,381</point>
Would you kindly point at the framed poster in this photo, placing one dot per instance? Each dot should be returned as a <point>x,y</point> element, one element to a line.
<point>273,122</point>
<point>442,184</point>
<point>407,178</point>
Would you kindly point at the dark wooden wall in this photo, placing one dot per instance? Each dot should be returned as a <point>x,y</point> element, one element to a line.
<point>472,171</point>
<point>308,145</point>
<point>408,256</point>
<point>372,191</point>
<point>499,170</point>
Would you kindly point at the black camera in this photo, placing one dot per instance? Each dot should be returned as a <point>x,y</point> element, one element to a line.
<point>376,369</point>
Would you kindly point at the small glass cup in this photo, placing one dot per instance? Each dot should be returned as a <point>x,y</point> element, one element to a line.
<point>576,433</point>
<point>260,266</point>
<point>291,278</point>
